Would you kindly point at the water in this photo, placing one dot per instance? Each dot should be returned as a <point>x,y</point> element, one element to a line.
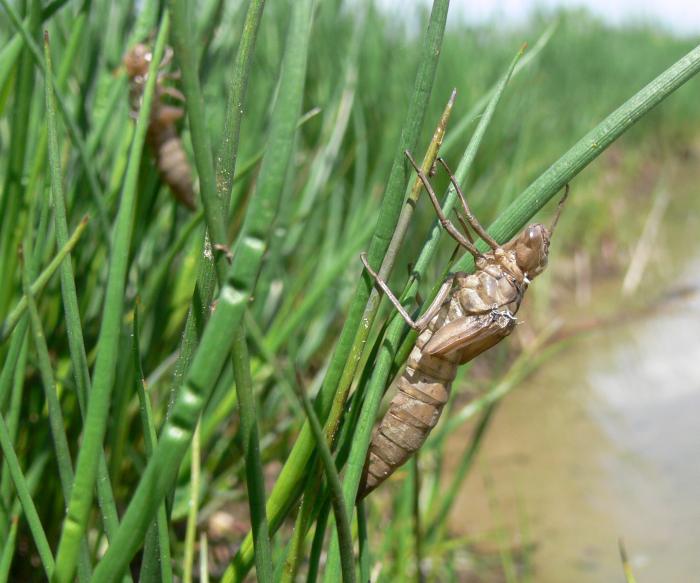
<point>602,443</point>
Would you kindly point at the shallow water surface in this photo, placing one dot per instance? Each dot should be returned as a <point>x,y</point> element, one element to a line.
<point>602,443</point>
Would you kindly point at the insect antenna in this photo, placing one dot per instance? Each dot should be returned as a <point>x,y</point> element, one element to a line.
<point>560,207</point>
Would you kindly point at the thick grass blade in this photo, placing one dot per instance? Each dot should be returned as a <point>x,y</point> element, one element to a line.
<point>56,422</point>
<point>363,541</point>
<point>186,54</point>
<point>107,344</point>
<point>192,510</point>
<point>74,327</point>
<point>227,155</point>
<point>240,284</point>
<point>156,563</point>
<point>253,463</point>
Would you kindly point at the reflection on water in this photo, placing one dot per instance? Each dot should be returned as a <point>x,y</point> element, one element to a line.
<point>603,443</point>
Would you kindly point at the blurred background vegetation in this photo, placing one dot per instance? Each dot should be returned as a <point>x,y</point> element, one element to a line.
<point>361,68</point>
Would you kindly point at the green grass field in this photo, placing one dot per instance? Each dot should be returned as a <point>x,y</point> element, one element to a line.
<point>152,358</point>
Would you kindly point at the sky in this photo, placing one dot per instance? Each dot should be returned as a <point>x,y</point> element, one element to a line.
<point>680,16</point>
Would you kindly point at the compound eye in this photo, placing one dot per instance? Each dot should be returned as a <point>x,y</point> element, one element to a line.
<point>533,235</point>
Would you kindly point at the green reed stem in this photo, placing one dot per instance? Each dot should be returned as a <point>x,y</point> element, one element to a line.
<point>192,510</point>
<point>227,155</point>
<point>251,449</point>
<point>225,167</point>
<point>25,497</point>
<point>56,422</point>
<point>185,52</point>
<point>363,541</point>
<point>347,554</point>
<point>156,564</point>
<point>74,328</point>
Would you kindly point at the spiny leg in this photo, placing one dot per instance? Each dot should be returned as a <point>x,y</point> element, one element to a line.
<point>167,57</point>
<point>172,92</point>
<point>471,219</point>
<point>420,324</point>
<point>170,75</point>
<point>444,221</point>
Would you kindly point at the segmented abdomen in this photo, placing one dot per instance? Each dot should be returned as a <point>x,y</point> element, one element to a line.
<point>453,337</point>
<point>172,163</point>
<point>423,389</point>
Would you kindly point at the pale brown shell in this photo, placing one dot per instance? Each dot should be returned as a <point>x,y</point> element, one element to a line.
<point>478,314</point>
<point>163,139</point>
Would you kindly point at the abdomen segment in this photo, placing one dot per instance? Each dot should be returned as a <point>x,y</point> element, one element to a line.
<point>412,414</point>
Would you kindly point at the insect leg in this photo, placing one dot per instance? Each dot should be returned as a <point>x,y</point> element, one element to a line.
<point>389,294</point>
<point>431,312</point>
<point>471,219</point>
<point>444,221</point>
<point>465,228</point>
<point>167,57</point>
<point>434,308</point>
<point>172,92</point>
<point>174,75</point>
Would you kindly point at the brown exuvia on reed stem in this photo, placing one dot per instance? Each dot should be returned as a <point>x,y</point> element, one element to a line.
<point>470,314</point>
<point>162,137</point>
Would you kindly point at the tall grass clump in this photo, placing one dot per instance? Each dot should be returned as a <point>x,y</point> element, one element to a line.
<point>171,381</point>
